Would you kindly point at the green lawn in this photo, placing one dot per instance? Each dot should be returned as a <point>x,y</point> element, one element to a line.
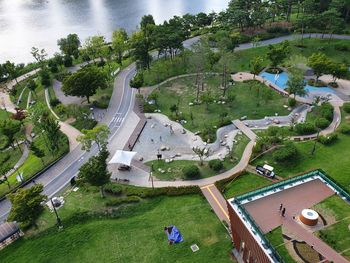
<point>173,170</point>
<point>10,157</point>
<point>336,235</point>
<point>244,183</point>
<point>239,61</point>
<point>333,159</point>
<point>4,115</point>
<point>276,239</point>
<point>33,164</point>
<point>136,236</point>
<point>205,119</point>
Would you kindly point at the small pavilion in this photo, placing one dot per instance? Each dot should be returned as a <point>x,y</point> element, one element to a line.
<point>9,232</point>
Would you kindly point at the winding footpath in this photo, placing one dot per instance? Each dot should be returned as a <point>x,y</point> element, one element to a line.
<point>118,113</point>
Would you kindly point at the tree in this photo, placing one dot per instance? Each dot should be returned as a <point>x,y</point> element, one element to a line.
<point>296,85</point>
<point>11,70</point>
<point>119,43</point>
<point>37,152</point>
<point>10,128</point>
<point>338,70</point>
<point>95,171</point>
<point>319,63</point>
<point>85,82</point>
<point>137,81</point>
<point>98,134</point>
<point>174,109</point>
<point>32,86</point>
<point>20,115</point>
<point>207,98</point>
<point>256,65</point>
<point>26,204</point>
<point>201,153</point>
<point>39,55</point>
<point>4,169</point>
<point>141,45</point>
<point>278,53</point>
<point>70,45</point>
<point>95,47</point>
<point>52,132</point>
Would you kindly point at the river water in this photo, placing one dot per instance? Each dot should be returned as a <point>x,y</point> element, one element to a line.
<point>39,23</point>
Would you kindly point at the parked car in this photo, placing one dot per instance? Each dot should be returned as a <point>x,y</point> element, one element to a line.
<point>265,170</point>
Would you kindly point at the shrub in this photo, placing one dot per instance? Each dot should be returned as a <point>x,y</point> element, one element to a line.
<point>305,128</point>
<point>329,139</point>
<point>326,111</point>
<point>45,78</point>
<point>102,103</point>
<point>322,123</point>
<point>292,102</point>
<point>4,142</point>
<point>191,171</point>
<point>54,102</point>
<point>216,165</point>
<point>113,189</point>
<point>346,107</point>
<point>123,200</point>
<point>67,61</point>
<point>4,158</point>
<point>341,47</point>
<point>345,129</point>
<point>277,29</point>
<point>285,153</point>
<point>170,191</point>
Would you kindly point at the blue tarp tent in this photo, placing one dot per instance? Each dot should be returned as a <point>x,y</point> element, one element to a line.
<point>174,236</point>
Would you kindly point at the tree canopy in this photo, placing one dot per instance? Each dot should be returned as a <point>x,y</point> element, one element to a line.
<point>98,134</point>
<point>70,45</point>
<point>85,82</point>
<point>26,204</point>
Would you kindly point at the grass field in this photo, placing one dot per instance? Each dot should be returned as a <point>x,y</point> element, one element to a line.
<point>136,236</point>
<point>248,102</point>
<point>276,239</point>
<point>173,170</point>
<point>239,61</point>
<point>336,235</point>
<point>33,164</point>
<point>244,183</point>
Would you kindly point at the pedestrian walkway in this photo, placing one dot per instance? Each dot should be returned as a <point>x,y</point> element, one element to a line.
<point>326,251</point>
<point>217,202</point>
<point>240,125</point>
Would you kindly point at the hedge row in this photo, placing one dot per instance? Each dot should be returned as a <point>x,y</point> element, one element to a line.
<point>143,192</point>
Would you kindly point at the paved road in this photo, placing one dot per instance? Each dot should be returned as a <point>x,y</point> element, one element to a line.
<point>60,174</point>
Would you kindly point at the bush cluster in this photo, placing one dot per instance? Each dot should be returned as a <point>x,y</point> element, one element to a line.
<point>191,171</point>
<point>54,102</point>
<point>322,123</point>
<point>169,191</point>
<point>4,142</point>
<point>216,165</point>
<point>326,111</point>
<point>285,153</point>
<point>345,129</point>
<point>346,107</point>
<point>113,188</point>
<point>305,128</point>
<point>292,102</point>
<point>329,139</point>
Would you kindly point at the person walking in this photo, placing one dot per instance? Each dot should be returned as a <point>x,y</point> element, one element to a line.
<point>283,211</point>
<point>281,206</point>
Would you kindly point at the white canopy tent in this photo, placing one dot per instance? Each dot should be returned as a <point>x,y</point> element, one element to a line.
<point>122,157</point>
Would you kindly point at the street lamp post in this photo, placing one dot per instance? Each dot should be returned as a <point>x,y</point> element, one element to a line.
<point>58,219</point>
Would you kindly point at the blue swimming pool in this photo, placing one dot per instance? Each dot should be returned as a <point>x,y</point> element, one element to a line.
<point>281,82</point>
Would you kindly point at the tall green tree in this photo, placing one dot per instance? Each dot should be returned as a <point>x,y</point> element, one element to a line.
<point>338,70</point>
<point>278,53</point>
<point>37,152</point>
<point>296,85</point>
<point>137,81</point>
<point>98,134</point>
<point>256,65</point>
<point>39,55</point>
<point>10,128</point>
<point>26,204</point>
<point>11,70</point>
<point>69,46</point>
<point>141,46</point>
<point>52,133</point>
<point>320,64</point>
<point>85,82</point>
<point>119,43</point>
<point>95,171</point>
